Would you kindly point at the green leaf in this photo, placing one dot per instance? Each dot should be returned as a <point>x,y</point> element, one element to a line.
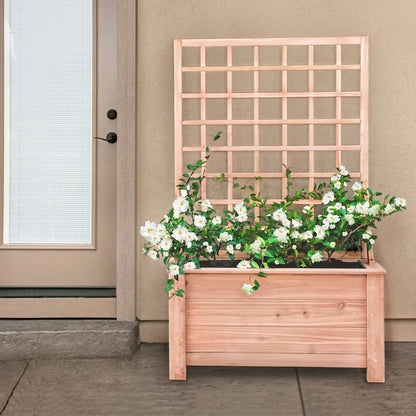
<point>254,264</point>
<point>262,274</point>
<point>236,185</point>
<point>217,136</point>
<point>190,167</point>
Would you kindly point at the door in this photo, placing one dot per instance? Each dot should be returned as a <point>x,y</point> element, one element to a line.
<point>58,208</point>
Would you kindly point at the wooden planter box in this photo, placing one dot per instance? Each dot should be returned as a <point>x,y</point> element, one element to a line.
<point>298,318</point>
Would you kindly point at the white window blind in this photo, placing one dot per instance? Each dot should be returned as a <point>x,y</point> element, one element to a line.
<point>48,128</point>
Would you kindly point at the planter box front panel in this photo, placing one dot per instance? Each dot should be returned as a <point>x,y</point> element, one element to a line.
<point>307,319</point>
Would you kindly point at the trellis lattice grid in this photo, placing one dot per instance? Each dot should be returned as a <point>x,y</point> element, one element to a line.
<point>299,102</point>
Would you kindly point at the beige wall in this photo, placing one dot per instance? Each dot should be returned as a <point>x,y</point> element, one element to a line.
<point>390,24</point>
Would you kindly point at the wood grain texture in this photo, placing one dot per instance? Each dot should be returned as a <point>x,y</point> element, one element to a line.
<point>339,313</point>
<point>375,329</point>
<point>256,359</point>
<point>177,354</point>
<point>288,286</point>
<point>302,340</point>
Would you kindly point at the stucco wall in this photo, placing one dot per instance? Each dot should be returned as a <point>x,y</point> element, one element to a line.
<point>390,24</point>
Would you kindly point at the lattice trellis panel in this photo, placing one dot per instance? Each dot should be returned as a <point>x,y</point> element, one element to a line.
<point>301,102</point>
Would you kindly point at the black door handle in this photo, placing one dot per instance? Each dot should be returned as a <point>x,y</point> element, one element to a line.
<point>110,138</point>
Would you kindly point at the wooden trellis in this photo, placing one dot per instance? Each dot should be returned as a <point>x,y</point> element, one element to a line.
<point>284,69</point>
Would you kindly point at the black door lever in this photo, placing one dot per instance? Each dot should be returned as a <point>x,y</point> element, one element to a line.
<point>110,138</point>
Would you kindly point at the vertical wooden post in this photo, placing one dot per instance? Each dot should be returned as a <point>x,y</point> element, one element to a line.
<point>177,352</point>
<point>375,328</point>
<point>178,112</point>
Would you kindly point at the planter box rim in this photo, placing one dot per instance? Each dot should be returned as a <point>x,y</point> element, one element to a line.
<point>373,269</point>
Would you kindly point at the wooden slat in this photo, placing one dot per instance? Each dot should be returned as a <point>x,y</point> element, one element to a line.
<point>31,308</point>
<point>300,340</point>
<point>282,122</point>
<point>364,111</point>
<point>269,201</point>
<point>273,149</point>
<point>375,329</point>
<point>340,313</point>
<point>278,175</point>
<point>255,359</point>
<point>284,119</point>
<point>229,127</point>
<point>177,354</point>
<point>311,127</point>
<point>178,112</point>
<point>338,115</point>
<point>261,68</point>
<point>256,126</point>
<point>344,40</point>
<point>317,94</point>
<point>203,117</point>
<point>287,286</point>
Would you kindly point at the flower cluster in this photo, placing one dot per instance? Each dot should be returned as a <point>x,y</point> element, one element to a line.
<point>340,217</point>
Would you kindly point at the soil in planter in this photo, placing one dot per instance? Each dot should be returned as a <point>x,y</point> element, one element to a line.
<point>332,264</point>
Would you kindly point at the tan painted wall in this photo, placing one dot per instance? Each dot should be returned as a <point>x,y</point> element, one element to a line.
<point>390,24</point>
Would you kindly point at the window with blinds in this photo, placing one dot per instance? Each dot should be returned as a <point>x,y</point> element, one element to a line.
<point>48,47</point>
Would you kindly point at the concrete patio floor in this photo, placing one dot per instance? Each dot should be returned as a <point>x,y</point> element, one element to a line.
<point>139,386</point>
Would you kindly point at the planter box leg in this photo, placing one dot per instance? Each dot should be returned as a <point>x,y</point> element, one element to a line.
<point>375,329</point>
<point>177,352</point>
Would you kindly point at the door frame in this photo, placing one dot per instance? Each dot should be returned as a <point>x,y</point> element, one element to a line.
<point>125,194</point>
<point>126,162</point>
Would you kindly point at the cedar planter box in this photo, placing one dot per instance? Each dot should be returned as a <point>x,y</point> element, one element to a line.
<point>299,318</point>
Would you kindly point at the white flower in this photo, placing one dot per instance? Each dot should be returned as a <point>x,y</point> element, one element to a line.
<point>281,232</point>
<point>307,235</point>
<point>166,243</point>
<point>174,269</point>
<point>279,215</point>
<point>351,209</point>
<point>328,197</point>
<point>374,210</point>
<point>241,217</point>
<point>153,238</point>
<point>306,209</point>
<point>209,249</point>
<point>180,204</point>
<point>240,209</point>
<point>286,222</point>
<point>363,207</point>
<point>255,247</point>
<point>200,221</point>
<point>332,244</point>
<point>339,206</point>
<point>205,243</point>
<point>191,236</point>
<point>332,218</point>
<point>372,241</point>
<point>344,233</point>
<point>246,288</point>
<point>295,234</point>
<point>180,234</point>
<point>335,178</point>
<point>216,220</point>
<point>176,214</point>
<point>400,202</point>
<point>184,193</point>
<point>366,236</point>
<point>337,185</point>
<point>230,249</point>
<point>343,171</point>
<point>294,247</point>
<point>206,205</point>
<point>350,219</point>
<point>316,258</point>
<point>224,236</point>
<point>325,224</point>
<point>320,231</point>
<point>152,254</point>
<point>357,187</point>
<point>238,246</point>
<point>189,266</point>
<point>296,223</point>
<point>331,226</point>
<point>149,228</point>
<point>244,264</point>
<point>389,209</point>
